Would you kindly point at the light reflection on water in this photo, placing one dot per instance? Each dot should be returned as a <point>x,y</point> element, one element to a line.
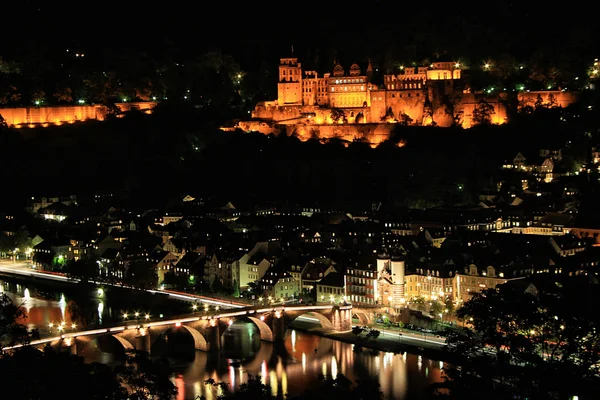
<point>289,369</point>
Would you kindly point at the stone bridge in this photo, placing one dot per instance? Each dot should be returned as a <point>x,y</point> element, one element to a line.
<point>367,314</point>
<point>205,330</point>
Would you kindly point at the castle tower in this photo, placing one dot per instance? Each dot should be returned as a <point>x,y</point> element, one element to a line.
<point>289,88</point>
<point>369,71</point>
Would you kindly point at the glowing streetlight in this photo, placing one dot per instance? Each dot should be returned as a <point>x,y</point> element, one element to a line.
<point>137,314</point>
<point>73,326</point>
<point>195,307</point>
<point>486,66</point>
<point>147,316</point>
<point>125,316</point>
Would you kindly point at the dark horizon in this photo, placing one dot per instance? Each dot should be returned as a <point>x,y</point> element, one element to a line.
<point>381,30</point>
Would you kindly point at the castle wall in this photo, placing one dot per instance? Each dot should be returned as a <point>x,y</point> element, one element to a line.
<point>17,117</point>
<point>563,99</point>
<point>279,113</point>
<point>56,115</point>
<point>372,133</point>
<point>289,93</point>
<point>469,103</point>
<point>409,102</point>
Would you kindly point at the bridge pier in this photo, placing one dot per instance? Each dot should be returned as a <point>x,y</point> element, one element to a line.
<point>213,335</point>
<point>278,326</point>
<point>142,340</point>
<point>341,319</point>
<point>69,345</point>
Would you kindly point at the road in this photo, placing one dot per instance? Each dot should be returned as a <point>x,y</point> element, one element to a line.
<point>23,269</point>
<point>386,339</point>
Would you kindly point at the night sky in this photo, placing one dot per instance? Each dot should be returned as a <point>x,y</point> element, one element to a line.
<point>267,29</point>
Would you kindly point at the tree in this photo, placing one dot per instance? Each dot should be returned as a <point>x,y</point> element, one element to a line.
<point>373,333</point>
<point>142,275</point>
<point>436,308</point>
<point>64,95</point>
<point>420,303</point>
<point>339,387</point>
<point>405,119</point>
<point>83,270</point>
<point>482,114</point>
<point>389,115</point>
<point>521,346</point>
<point>357,330</point>
<point>539,102</point>
<point>12,332</point>
<point>37,375</point>
<point>145,378</point>
<point>338,116</point>
<point>552,103</point>
<point>217,286</point>
<point>7,243</point>
<point>44,259</point>
<point>38,97</point>
<point>10,96</point>
<point>450,307</point>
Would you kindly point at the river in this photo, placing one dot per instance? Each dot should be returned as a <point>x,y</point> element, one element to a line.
<point>288,369</point>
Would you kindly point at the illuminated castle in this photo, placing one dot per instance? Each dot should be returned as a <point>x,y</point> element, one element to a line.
<point>304,93</point>
<point>349,106</point>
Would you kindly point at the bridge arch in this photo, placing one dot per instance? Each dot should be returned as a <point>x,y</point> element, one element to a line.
<point>363,318</point>
<point>266,334</point>
<point>124,342</point>
<point>200,342</point>
<point>322,319</point>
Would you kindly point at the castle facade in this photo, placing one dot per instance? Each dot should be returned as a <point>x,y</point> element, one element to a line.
<point>347,104</point>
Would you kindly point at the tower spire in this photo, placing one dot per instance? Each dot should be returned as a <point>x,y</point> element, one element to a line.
<point>292,50</point>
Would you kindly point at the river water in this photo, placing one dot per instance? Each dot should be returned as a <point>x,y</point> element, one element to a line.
<point>288,369</point>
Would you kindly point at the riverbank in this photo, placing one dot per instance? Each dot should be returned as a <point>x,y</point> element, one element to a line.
<point>23,271</point>
<point>432,350</point>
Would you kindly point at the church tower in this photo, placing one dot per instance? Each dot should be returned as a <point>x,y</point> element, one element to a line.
<point>289,88</point>
<point>398,270</point>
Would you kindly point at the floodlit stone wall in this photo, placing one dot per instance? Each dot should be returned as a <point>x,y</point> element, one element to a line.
<point>22,117</point>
